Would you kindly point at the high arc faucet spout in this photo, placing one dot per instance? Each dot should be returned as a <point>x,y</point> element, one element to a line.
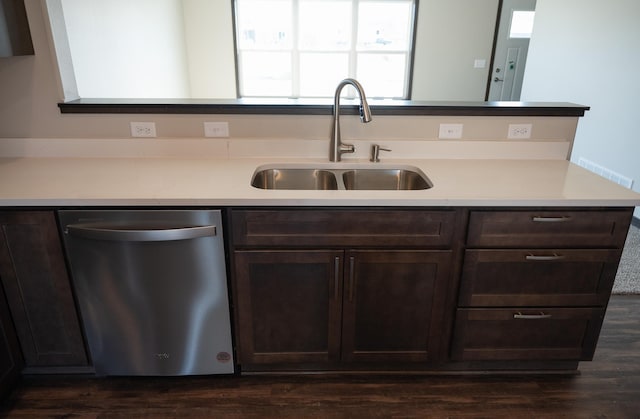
<point>336,146</point>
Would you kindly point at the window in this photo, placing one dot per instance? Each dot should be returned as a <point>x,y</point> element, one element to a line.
<point>306,47</point>
<point>521,24</point>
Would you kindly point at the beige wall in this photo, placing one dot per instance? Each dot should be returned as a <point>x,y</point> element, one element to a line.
<point>31,90</point>
<point>210,75</point>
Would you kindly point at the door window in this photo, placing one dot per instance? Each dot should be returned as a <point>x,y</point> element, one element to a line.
<point>521,24</point>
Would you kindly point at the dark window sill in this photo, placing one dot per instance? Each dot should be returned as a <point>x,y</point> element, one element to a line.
<point>317,107</point>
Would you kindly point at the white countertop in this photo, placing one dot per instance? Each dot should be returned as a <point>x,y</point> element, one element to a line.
<point>57,182</point>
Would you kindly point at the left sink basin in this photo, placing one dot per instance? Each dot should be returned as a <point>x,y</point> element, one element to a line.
<point>295,179</point>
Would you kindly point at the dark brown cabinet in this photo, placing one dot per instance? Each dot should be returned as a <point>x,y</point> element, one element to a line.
<point>288,306</point>
<point>393,304</point>
<point>537,277</point>
<point>535,284</point>
<point>359,288</point>
<point>10,358</point>
<point>15,36</point>
<point>526,334</point>
<point>38,290</point>
<point>299,305</point>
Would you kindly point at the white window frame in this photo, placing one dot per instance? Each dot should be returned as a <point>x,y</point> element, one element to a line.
<point>352,52</point>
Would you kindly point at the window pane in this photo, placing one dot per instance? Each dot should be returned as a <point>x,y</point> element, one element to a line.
<point>265,74</point>
<point>382,75</point>
<point>384,25</point>
<point>320,73</point>
<point>521,24</point>
<point>325,25</point>
<point>264,24</point>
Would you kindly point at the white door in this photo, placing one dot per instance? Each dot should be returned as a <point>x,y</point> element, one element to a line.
<point>512,45</point>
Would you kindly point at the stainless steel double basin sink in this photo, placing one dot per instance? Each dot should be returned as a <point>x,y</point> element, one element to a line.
<point>289,177</point>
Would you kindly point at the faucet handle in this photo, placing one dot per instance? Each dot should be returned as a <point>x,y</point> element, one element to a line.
<point>375,151</point>
<point>347,148</point>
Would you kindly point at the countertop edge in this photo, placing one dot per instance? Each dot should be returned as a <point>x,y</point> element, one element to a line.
<point>60,203</point>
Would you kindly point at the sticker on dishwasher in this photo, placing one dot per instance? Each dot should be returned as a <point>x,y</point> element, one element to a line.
<point>223,357</point>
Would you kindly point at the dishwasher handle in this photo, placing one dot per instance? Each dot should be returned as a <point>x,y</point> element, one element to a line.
<point>139,235</point>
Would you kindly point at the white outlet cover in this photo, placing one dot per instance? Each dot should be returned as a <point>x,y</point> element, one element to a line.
<point>216,129</point>
<point>519,131</point>
<point>143,129</point>
<point>450,131</point>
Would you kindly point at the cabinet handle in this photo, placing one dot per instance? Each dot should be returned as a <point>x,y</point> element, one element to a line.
<point>336,276</point>
<point>538,219</point>
<point>352,275</point>
<point>544,257</point>
<point>541,315</point>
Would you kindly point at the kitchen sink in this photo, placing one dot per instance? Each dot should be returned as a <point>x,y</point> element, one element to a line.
<point>342,177</point>
<point>385,179</point>
<point>294,178</point>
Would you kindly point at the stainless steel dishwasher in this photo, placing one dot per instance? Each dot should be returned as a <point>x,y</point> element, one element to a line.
<point>152,290</point>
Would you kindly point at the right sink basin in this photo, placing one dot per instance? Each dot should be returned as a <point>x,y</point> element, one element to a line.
<point>385,179</point>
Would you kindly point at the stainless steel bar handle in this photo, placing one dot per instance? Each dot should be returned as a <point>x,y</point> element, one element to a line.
<point>544,257</point>
<point>538,219</point>
<point>114,234</point>
<point>336,277</point>
<point>541,315</point>
<point>352,274</point>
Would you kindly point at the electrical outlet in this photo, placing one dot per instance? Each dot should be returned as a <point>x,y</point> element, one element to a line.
<point>450,131</point>
<point>519,131</point>
<point>143,129</point>
<point>216,129</point>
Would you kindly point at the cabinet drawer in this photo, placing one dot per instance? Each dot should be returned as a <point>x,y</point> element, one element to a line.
<point>526,334</point>
<point>549,277</point>
<point>548,228</point>
<point>349,227</point>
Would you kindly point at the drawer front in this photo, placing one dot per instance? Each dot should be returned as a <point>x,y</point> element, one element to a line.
<point>526,334</point>
<point>535,277</point>
<point>602,229</point>
<point>358,227</point>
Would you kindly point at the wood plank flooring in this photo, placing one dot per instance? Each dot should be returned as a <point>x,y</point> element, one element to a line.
<point>608,387</point>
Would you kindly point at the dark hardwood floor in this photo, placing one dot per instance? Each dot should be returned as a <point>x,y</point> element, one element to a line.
<point>607,387</point>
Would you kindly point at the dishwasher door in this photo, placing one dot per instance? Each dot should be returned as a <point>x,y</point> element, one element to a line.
<point>152,290</point>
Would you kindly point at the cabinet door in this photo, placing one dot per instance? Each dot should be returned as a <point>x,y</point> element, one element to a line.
<point>393,305</point>
<point>288,306</point>
<point>34,275</point>
<point>10,358</point>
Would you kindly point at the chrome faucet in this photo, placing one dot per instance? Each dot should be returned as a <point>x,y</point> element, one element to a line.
<point>336,147</point>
